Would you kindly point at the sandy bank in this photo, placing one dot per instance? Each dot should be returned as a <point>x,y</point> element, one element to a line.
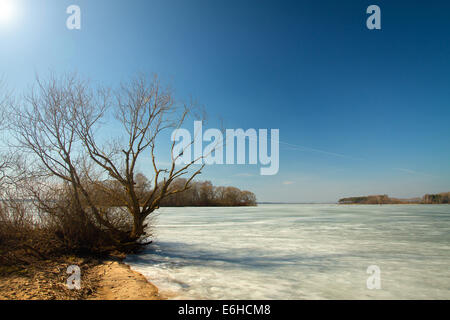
<point>119,282</point>
<point>100,280</point>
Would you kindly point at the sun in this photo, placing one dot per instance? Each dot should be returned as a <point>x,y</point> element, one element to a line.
<point>7,11</point>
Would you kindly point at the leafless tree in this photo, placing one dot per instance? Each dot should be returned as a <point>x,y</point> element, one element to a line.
<point>6,159</point>
<point>60,124</point>
<point>144,109</point>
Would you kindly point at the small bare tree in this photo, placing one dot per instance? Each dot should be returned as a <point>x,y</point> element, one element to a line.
<point>5,157</point>
<point>60,125</point>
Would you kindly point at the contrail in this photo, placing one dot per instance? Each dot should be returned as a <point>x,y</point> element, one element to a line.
<point>302,148</point>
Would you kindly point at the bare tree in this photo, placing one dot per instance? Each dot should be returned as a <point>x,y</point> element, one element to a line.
<point>59,125</point>
<point>6,159</point>
<point>144,109</point>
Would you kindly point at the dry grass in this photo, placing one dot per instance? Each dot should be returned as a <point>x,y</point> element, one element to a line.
<point>36,250</point>
<point>46,280</point>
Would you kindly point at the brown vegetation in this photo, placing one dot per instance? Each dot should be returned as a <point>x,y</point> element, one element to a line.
<point>440,198</point>
<point>203,193</point>
<point>199,194</point>
<point>376,199</point>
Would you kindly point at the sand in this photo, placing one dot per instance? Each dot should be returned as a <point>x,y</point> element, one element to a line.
<point>101,280</point>
<point>119,282</point>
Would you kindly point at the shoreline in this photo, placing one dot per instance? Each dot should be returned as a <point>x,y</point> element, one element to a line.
<point>108,279</point>
<point>393,204</point>
<point>120,282</point>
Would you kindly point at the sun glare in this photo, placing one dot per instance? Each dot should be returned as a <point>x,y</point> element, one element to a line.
<point>7,11</point>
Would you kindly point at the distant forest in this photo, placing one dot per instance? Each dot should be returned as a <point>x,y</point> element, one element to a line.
<point>203,193</point>
<point>199,194</point>
<point>436,198</point>
<point>440,198</point>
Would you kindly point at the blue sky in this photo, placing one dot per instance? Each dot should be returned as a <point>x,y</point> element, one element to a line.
<point>359,111</point>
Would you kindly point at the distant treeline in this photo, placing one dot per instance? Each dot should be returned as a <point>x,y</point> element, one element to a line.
<point>199,194</point>
<point>440,198</point>
<point>376,199</point>
<point>203,193</point>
